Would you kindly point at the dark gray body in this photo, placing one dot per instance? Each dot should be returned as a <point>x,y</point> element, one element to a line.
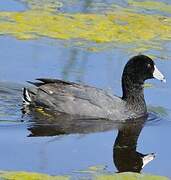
<point>57,96</point>
<point>78,100</point>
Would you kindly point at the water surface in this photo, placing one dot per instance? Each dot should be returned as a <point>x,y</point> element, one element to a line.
<point>35,143</point>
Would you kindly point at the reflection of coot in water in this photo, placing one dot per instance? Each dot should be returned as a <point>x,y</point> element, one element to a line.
<point>125,156</point>
<point>57,96</point>
<point>65,124</point>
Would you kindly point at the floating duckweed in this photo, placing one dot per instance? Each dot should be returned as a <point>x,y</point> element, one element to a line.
<point>148,85</point>
<point>130,176</point>
<point>47,5</point>
<point>151,5</point>
<point>29,176</point>
<point>96,176</point>
<point>92,27</point>
<point>122,26</point>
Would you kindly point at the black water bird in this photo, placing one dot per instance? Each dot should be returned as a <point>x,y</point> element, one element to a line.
<point>56,96</point>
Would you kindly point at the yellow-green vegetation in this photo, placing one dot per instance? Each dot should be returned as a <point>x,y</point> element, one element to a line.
<point>148,85</point>
<point>123,25</point>
<point>46,5</point>
<point>98,173</point>
<point>37,176</point>
<point>93,170</point>
<point>130,176</point>
<point>158,109</point>
<point>29,176</point>
<point>151,5</point>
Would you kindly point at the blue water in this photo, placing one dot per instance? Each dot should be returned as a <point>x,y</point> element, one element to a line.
<point>65,154</point>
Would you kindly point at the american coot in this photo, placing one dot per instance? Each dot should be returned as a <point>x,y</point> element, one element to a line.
<point>56,96</point>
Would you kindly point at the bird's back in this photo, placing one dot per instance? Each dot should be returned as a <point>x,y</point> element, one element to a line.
<point>76,99</point>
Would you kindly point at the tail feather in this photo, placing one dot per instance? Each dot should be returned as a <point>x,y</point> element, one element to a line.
<point>26,97</point>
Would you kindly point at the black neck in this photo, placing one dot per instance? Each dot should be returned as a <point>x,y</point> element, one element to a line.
<point>133,94</point>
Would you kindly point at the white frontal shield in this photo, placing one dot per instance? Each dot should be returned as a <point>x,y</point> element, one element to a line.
<point>158,75</point>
